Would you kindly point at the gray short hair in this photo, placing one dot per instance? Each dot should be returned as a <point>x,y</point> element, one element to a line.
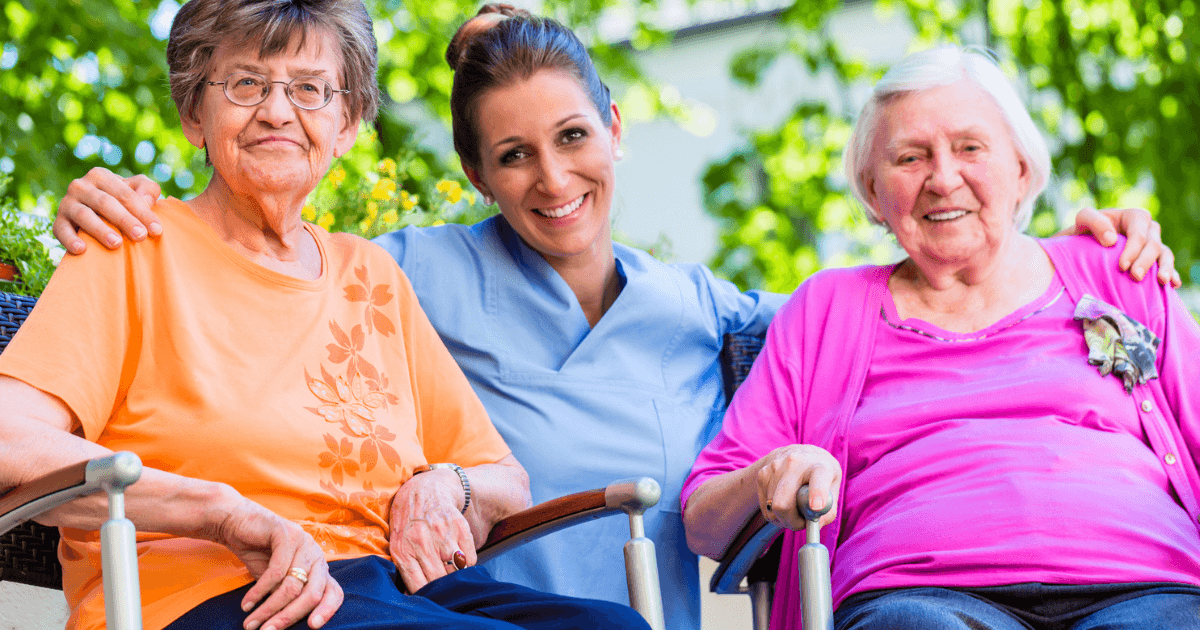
<point>937,67</point>
<point>203,25</point>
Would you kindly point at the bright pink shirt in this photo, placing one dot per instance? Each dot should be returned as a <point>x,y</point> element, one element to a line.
<point>1000,457</point>
<point>806,386</point>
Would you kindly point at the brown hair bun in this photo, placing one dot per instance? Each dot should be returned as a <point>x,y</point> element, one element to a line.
<point>488,16</point>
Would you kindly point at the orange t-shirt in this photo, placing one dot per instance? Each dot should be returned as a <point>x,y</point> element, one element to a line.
<point>314,398</point>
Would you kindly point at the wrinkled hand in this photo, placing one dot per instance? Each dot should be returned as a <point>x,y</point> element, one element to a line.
<point>787,468</point>
<point>101,193</point>
<point>270,546</point>
<point>428,527</point>
<point>1143,240</point>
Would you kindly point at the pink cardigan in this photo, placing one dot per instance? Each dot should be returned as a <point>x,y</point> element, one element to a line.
<point>815,362</point>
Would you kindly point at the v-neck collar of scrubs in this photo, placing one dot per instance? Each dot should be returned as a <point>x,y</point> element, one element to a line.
<point>559,300</point>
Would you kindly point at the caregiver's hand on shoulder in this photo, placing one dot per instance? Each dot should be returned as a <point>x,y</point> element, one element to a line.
<point>781,474</point>
<point>125,203</point>
<point>293,580</point>
<point>430,538</point>
<point>1143,240</point>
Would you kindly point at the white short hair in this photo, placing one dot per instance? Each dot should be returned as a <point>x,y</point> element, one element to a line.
<point>938,67</point>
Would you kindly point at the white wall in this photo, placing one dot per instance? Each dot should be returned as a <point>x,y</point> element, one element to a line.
<point>658,187</point>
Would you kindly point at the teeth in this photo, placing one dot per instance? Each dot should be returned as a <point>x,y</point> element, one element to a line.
<point>555,213</point>
<point>946,216</point>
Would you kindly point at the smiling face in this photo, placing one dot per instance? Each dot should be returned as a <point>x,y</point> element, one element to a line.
<point>945,175</point>
<point>547,159</point>
<point>273,148</point>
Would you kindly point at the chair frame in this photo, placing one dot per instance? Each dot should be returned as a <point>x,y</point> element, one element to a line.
<point>750,563</point>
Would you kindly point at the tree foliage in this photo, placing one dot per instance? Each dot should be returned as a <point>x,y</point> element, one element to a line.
<point>1115,85</point>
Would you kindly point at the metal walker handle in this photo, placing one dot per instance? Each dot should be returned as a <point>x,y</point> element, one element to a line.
<point>813,560</point>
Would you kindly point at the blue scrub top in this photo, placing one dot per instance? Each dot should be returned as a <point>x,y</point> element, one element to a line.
<point>639,395</point>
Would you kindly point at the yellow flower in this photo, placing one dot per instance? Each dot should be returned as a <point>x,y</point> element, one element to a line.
<point>309,212</point>
<point>438,222</point>
<point>372,211</point>
<point>452,189</point>
<point>387,165</point>
<point>384,189</point>
<point>390,217</point>
<point>325,220</point>
<point>470,196</point>
<point>337,176</point>
<point>410,201</point>
<point>364,225</point>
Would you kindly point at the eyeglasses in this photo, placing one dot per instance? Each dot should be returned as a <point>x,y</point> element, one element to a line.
<point>248,89</point>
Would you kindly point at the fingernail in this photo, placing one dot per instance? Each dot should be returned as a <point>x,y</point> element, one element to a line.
<point>139,233</point>
<point>1138,272</point>
<point>112,240</point>
<point>156,228</point>
<point>248,606</point>
<point>252,625</point>
<point>317,621</point>
<point>1110,237</point>
<point>77,247</point>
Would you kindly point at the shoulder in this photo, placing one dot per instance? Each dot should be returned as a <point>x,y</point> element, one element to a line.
<point>841,294</point>
<point>1083,250</point>
<point>353,259</point>
<point>834,284</point>
<point>1086,266</point>
<point>183,234</point>
<point>415,243</point>
<point>1081,261</point>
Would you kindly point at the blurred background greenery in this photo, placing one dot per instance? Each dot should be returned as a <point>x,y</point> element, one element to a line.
<point>1115,84</point>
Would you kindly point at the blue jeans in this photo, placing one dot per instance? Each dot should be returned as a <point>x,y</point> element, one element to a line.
<point>468,599</point>
<point>1025,607</point>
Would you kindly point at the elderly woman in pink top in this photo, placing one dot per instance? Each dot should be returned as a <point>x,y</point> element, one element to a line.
<point>1005,427</point>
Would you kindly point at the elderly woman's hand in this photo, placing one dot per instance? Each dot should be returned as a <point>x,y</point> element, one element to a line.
<point>781,474</point>
<point>289,567</point>
<point>429,529</point>
<point>1143,244</point>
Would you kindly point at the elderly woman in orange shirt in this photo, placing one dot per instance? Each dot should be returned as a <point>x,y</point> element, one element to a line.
<point>281,384</point>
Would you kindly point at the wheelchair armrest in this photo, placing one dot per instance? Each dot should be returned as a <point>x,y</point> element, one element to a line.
<point>628,495</point>
<point>631,496</point>
<point>750,544</point>
<point>114,472</point>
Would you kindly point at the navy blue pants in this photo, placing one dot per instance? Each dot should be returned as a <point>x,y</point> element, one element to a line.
<point>468,599</point>
<point>1025,607</point>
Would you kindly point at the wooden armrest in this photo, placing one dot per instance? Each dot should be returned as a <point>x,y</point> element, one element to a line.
<point>752,540</point>
<point>65,484</point>
<point>51,483</point>
<point>631,495</point>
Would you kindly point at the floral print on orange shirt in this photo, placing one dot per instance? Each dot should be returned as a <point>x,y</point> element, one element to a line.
<point>351,391</point>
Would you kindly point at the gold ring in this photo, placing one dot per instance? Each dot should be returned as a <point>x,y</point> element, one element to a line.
<point>768,505</point>
<point>299,574</point>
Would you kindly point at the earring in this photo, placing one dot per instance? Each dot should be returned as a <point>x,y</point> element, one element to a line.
<point>619,154</point>
<point>487,200</point>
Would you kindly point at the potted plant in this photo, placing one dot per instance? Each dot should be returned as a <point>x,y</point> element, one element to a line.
<point>25,264</point>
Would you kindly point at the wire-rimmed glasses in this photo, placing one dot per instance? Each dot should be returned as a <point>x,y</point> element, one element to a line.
<point>248,89</point>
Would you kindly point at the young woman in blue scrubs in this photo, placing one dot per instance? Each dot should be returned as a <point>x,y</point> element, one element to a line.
<point>594,360</point>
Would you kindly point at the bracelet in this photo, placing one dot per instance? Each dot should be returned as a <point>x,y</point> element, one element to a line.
<point>462,478</point>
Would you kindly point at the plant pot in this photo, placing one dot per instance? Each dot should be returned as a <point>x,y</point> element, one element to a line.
<point>8,272</point>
